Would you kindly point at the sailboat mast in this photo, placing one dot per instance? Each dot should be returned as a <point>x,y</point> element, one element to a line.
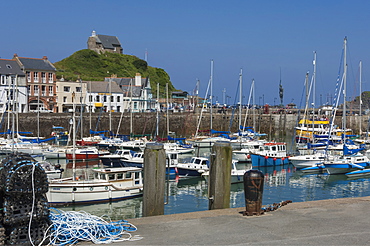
<point>131,133</point>
<point>344,89</point>
<point>110,104</point>
<point>158,108</point>
<point>211,97</point>
<point>360,97</point>
<point>168,123</point>
<point>74,137</point>
<point>240,96</point>
<point>254,108</point>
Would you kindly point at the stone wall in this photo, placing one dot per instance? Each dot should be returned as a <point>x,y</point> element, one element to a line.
<point>182,124</point>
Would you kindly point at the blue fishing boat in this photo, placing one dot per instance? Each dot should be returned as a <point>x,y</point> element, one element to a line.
<point>270,154</point>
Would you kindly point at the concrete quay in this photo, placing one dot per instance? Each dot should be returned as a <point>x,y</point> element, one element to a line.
<point>326,222</point>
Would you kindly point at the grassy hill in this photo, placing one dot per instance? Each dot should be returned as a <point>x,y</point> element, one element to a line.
<point>91,66</point>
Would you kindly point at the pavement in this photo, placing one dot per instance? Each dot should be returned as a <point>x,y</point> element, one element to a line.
<point>325,222</point>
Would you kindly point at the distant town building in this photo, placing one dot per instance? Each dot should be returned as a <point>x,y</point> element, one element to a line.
<point>40,79</point>
<point>137,93</point>
<point>104,43</point>
<point>13,88</point>
<point>104,96</point>
<point>71,94</point>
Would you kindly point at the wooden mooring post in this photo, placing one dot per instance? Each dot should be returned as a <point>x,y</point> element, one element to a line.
<point>219,181</point>
<point>154,179</point>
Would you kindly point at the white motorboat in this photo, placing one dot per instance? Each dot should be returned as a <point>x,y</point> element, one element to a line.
<point>346,164</point>
<point>114,160</point>
<point>243,155</point>
<point>55,152</point>
<point>109,184</point>
<point>195,167</point>
<point>237,175</point>
<point>52,171</point>
<point>303,161</point>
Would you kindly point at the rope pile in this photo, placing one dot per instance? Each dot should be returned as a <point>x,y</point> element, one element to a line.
<point>71,227</point>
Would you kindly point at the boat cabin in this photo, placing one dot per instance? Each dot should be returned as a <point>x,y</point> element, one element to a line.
<point>119,174</point>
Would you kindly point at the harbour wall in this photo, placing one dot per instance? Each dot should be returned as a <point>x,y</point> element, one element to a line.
<point>181,124</point>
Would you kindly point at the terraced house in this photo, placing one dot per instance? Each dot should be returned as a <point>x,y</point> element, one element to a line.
<point>40,80</point>
<point>13,88</point>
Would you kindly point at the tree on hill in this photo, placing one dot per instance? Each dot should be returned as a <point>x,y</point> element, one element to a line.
<point>90,66</point>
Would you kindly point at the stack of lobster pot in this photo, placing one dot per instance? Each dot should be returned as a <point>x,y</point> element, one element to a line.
<point>25,213</point>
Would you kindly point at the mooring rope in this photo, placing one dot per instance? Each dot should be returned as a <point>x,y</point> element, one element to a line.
<point>71,227</point>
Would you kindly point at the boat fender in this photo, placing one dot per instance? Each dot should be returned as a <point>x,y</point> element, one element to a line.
<point>266,157</point>
<point>106,187</point>
<point>91,188</point>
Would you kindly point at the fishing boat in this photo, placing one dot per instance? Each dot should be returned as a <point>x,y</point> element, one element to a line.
<point>108,185</point>
<point>195,167</point>
<point>85,153</point>
<point>270,154</point>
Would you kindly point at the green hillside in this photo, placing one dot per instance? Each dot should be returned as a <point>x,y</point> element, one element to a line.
<point>91,66</point>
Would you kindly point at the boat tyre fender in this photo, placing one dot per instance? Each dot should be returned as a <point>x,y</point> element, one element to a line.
<point>91,188</point>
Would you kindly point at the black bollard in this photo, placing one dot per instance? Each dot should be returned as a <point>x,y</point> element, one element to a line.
<point>253,190</point>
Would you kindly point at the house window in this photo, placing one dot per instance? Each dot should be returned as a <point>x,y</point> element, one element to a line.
<point>51,91</point>
<point>78,89</point>
<point>35,90</point>
<point>105,98</point>
<point>28,74</point>
<point>29,90</point>
<point>118,108</point>
<point>111,98</point>
<point>64,99</point>
<point>67,89</point>
<point>97,99</point>
<point>43,77</point>
<point>35,77</point>
<point>118,98</point>
<point>3,80</point>
<point>51,78</point>
<point>43,90</point>
<point>90,98</point>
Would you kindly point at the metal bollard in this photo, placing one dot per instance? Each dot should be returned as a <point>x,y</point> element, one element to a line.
<point>253,190</point>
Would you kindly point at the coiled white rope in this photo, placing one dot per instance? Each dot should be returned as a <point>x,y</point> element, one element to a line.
<point>70,227</point>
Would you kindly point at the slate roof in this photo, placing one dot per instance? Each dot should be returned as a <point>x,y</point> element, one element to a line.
<point>108,42</point>
<point>10,67</point>
<point>36,64</point>
<point>125,85</point>
<point>102,87</point>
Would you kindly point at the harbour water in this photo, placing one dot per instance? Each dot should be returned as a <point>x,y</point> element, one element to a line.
<point>281,183</point>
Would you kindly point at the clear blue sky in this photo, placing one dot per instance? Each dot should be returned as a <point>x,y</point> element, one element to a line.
<point>182,37</point>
